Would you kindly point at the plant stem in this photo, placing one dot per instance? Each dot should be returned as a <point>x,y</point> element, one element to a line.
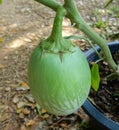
<point>56,34</point>
<point>50,3</point>
<point>107,4</point>
<point>87,40</point>
<point>75,17</point>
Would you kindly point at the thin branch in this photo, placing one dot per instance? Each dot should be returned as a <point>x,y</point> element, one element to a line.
<point>108,3</point>
<point>50,3</point>
<point>75,17</point>
<point>87,40</point>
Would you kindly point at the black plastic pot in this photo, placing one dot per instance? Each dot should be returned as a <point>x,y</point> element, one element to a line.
<point>98,120</point>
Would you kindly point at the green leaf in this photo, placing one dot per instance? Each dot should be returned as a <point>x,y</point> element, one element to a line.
<point>107,4</point>
<point>74,37</point>
<point>0,1</point>
<point>38,109</point>
<point>95,77</point>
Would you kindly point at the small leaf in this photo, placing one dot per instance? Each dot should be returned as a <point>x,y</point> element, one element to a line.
<point>116,94</point>
<point>73,37</point>
<point>107,4</point>
<point>30,123</point>
<point>25,111</point>
<point>23,84</point>
<point>15,99</point>
<point>95,77</point>
<point>21,104</point>
<point>1,66</point>
<point>46,116</point>
<point>0,1</point>
<point>43,111</point>
<point>1,39</point>
<point>38,109</point>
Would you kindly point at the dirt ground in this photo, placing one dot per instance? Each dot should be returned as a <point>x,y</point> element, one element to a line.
<point>23,24</point>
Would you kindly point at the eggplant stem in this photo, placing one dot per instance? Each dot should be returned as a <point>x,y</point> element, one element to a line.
<point>75,17</point>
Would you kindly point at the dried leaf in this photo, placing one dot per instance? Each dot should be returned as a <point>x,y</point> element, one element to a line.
<point>21,115</point>
<point>23,84</point>
<point>22,88</point>
<point>14,31</point>
<point>30,123</point>
<point>5,117</point>
<point>7,89</point>
<point>19,110</point>
<point>1,40</point>
<point>30,105</point>
<point>23,127</point>
<point>20,104</point>
<point>45,116</point>
<point>3,107</point>
<point>25,111</point>
<point>63,124</point>
<point>29,98</point>
<point>15,99</point>
<point>1,66</point>
<point>43,111</point>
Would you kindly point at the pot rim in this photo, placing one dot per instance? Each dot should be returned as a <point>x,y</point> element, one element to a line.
<point>90,108</point>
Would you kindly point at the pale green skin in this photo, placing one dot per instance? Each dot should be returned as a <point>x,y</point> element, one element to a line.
<point>59,86</point>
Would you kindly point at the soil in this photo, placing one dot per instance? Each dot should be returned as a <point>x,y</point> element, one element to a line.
<point>23,24</point>
<point>107,97</point>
